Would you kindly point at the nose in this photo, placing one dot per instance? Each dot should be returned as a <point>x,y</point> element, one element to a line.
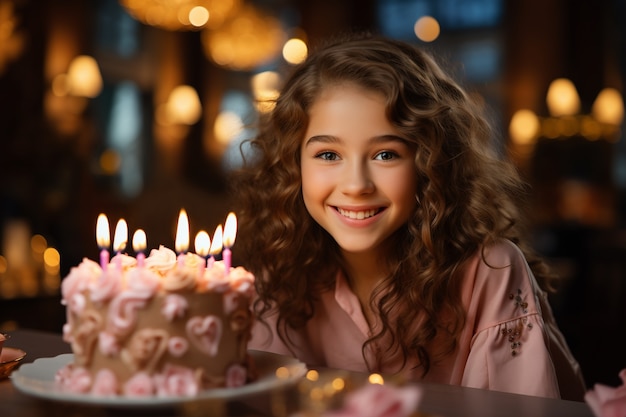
<point>356,179</point>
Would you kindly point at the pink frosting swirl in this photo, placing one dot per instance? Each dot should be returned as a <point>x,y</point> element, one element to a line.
<point>126,260</point>
<point>79,279</point>
<point>143,280</point>
<point>236,376</point>
<point>140,385</point>
<point>161,260</point>
<point>231,301</point>
<point>174,306</point>
<point>242,280</point>
<point>104,384</point>
<point>176,381</point>
<point>107,286</point>
<point>205,333</point>
<point>214,278</point>
<point>180,279</point>
<point>108,344</point>
<point>123,311</point>
<point>74,379</point>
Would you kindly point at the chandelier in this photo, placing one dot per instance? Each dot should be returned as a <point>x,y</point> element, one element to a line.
<point>181,14</point>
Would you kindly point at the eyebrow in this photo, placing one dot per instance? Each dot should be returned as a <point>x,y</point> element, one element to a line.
<point>373,140</point>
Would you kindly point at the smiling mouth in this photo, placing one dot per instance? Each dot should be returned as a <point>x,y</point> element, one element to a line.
<point>358,215</point>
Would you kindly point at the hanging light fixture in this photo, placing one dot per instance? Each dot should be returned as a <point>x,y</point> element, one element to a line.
<point>246,40</point>
<point>181,15</point>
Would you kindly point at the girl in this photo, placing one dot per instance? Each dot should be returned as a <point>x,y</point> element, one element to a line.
<point>384,231</point>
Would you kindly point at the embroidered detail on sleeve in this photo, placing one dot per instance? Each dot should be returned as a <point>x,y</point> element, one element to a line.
<point>513,332</point>
<point>519,301</point>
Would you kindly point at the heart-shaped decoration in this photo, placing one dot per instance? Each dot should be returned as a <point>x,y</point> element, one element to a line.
<point>205,333</point>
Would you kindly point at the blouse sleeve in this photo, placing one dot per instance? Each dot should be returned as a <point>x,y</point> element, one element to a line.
<point>512,356</point>
<point>513,345</point>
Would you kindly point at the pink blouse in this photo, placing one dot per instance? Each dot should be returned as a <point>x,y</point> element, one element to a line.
<point>510,341</point>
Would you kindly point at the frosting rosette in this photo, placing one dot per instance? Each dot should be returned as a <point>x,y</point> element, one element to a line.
<point>161,260</point>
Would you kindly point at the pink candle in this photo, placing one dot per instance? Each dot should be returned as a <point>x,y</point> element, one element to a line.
<point>182,237</point>
<point>103,238</point>
<point>216,246</point>
<point>230,232</point>
<point>119,241</point>
<point>139,245</point>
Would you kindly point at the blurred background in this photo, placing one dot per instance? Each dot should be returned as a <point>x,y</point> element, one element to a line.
<point>136,109</point>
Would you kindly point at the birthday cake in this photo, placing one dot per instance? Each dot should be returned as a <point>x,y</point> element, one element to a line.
<point>156,325</point>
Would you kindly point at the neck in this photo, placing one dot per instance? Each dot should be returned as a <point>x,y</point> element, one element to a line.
<point>364,272</point>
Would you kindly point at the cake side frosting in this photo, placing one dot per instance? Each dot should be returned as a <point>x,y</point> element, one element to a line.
<point>167,327</point>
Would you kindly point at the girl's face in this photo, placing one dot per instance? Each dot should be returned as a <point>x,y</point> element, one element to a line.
<point>358,174</point>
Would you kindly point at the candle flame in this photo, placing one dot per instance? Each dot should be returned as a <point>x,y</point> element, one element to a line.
<point>121,236</point>
<point>216,245</point>
<point>103,233</point>
<point>202,243</point>
<point>182,232</point>
<point>230,230</point>
<point>139,240</point>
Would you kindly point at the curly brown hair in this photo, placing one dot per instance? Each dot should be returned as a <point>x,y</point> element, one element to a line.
<point>468,197</point>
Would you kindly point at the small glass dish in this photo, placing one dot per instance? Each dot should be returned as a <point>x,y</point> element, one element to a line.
<point>10,359</point>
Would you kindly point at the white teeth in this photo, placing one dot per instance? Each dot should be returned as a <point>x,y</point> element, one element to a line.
<point>359,215</point>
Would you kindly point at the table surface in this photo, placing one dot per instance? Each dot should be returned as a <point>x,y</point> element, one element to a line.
<point>437,400</point>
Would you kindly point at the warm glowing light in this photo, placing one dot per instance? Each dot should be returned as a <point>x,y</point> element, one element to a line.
<point>282,372</point>
<point>38,244</point>
<point>183,105</point>
<point>312,375</point>
<point>198,16</point>
<point>140,242</point>
<point>295,51</point>
<point>52,258</point>
<point>110,162</point>
<point>562,98</point>
<point>427,28</point>
<point>230,230</point>
<point>609,107</point>
<point>182,232</point>
<point>266,89</point>
<point>83,77</point>
<point>120,239</point>
<point>4,265</point>
<point>524,127</point>
<point>202,243</point>
<point>376,379</point>
<point>181,14</point>
<point>227,126</point>
<point>338,384</point>
<point>246,40</point>
<point>103,233</point>
<point>216,244</point>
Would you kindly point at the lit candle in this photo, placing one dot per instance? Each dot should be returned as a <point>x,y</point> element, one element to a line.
<point>230,232</point>
<point>182,236</point>
<point>202,245</point>
<point>139,245</point>
<point>103,238</point>
<point>216,245</point>
<point>120,239</point>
